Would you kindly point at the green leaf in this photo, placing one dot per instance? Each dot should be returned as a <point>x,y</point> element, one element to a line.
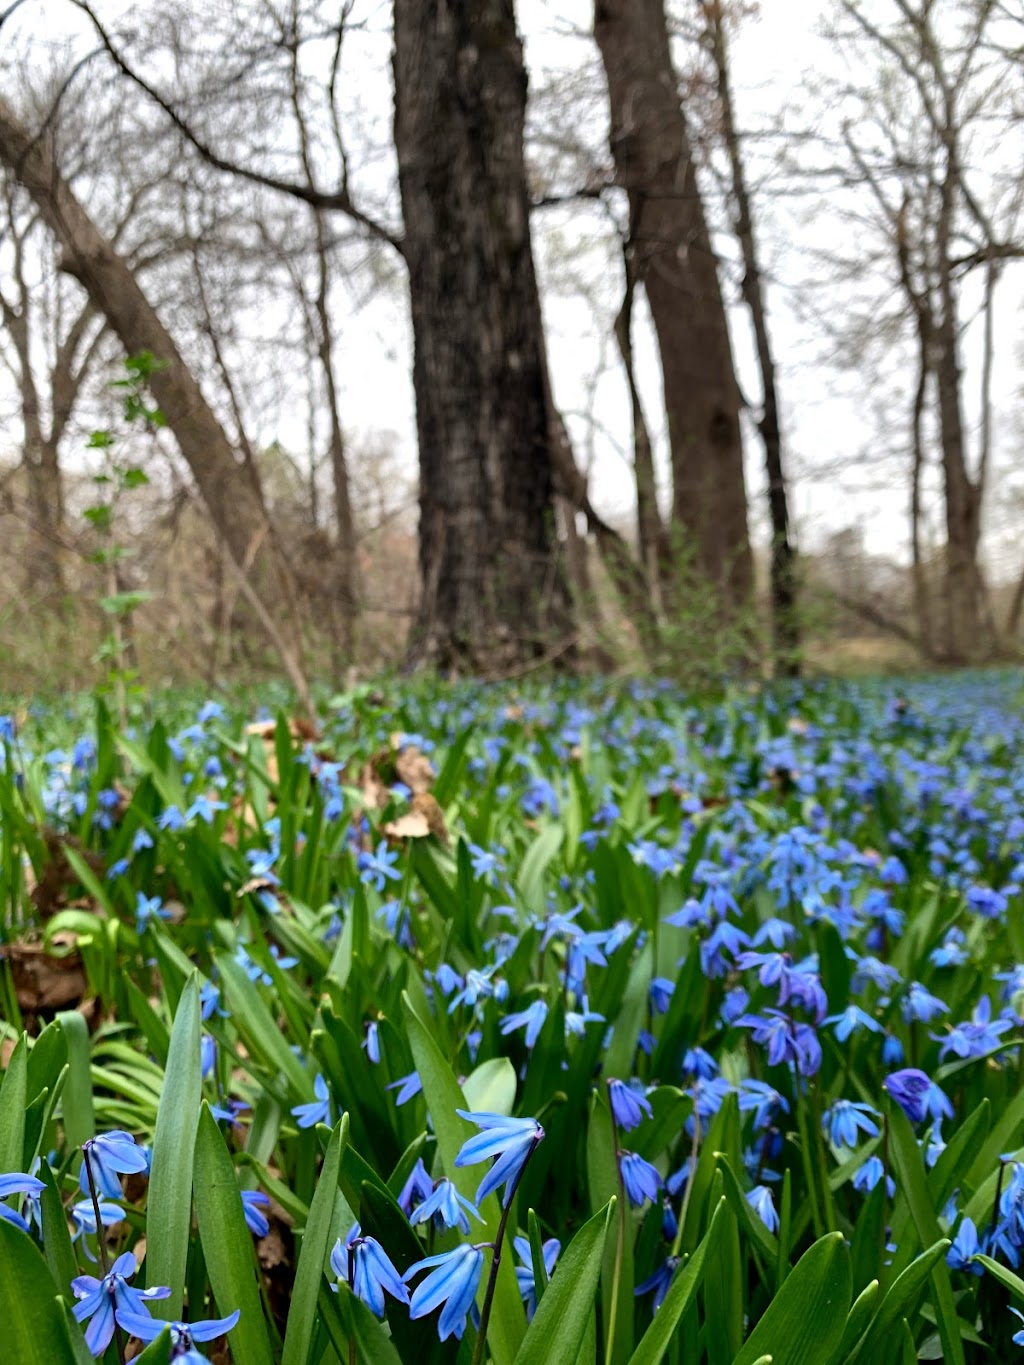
<point>316,1245</point>
<point>31,1315</point>
<point>13,1103</point>
<point>910,1175</point>
<point>355,1323</point>
<point>766,1242</point>
<point>560,1323</point>
<point>76,1339</point>
<point>856,1321</point>
<point>1000,1272</point>
<point>681,1296</point>
<point>60,1256</point>
<point>535,864</point>
<point>804,1323</point>
<point>227,1243</point>
<point>169,1208</point>
<point>157,1352</point>
<point>76,1099</point>
<point>444,1096</point>
<point>257,1027</point>
<point>491,1088</point>
<point>900,1294</point>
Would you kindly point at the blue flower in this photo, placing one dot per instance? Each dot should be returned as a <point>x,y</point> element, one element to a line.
<point>107,1155</point>
<point>407,1086</point>
<point>629,1104</point>
<point>316,1111</point>
<point>760,1200</point>
<point>100,1299</point>
<point>659,1282</point>
<point>379,868</point>
<point>846,1119</point>
<point>1018,1337</point>
<point>18,1183</point>
<point>960,1255</point>
<point>184,1335</point>
<point>83,1215</point>
<point>418,1187</point>
<point>640,1179</point>
<point>453,1281</point>
<point>148,908</point>
<point>446,1205</point>
<point>531,1019</point>
<point>524,1272</point>
<point>866,1177</point>
<point>512,1141</point>
<point>909,1088</point>
<point>253,1202</point>
<point>372,1271</point>
<point>852,1019</point>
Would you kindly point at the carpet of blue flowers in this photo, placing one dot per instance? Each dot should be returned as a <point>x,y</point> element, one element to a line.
<point>564,1023</point>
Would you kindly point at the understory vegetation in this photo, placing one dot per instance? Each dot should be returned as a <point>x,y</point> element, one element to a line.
<point>565,1021</point>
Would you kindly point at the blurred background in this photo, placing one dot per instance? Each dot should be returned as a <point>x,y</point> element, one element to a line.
<point>671,334</point>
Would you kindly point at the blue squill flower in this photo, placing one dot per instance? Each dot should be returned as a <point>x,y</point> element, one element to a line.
<point>1018,1337</point>
<point>866,1177</point>
<point>418,1187</point>
<point>639,1178</point>
<point>761,1201</point>
<point>511,1140</point>
<point>659,1282</point>
<point>524,1272</point>
<point>446,1206</point>
<point>407,1086</point>
<point>184,1335</point>
<point>909,1088</point>
<point>531,1019</point>
<point>629,1104</point>
<point>253,1204</point>
<point>845,1119</point>
<point>364,1264</point>
<point>852,1019</point>
<point>99,1300</point>
<point>18,1183</point>
<point>453,1281</point>
<point>107,1156</point>
<point>316,1111</point>
<point>960,1255</point>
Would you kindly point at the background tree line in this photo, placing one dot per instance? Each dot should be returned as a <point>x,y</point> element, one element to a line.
<point>218,188</point>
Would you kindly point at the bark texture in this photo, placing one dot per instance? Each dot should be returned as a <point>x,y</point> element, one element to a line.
<point>674,262</point>
<point>231,496</point>
<point>493,594</point>
<point>785,625</point>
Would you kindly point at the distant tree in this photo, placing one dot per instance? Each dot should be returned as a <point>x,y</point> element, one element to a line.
<point>229,489</point>
<point>671,253</point>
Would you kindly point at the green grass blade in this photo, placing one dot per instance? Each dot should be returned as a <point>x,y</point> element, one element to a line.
<point>227,1243</point>
<point>169,1210</point>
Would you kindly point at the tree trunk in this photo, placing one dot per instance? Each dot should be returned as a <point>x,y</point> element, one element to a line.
<point>651,536</point>
<point>785,624</point>
<point>654,164</point>
<point>492,595</point>
<point>232,499</point>
<point>964,636</point>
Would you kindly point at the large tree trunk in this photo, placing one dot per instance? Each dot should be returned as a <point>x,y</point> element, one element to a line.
<point>232,497</point>
<point>785,624</point>
<point>653,160</point>
<point>492,593</point>
<point>965,636</point>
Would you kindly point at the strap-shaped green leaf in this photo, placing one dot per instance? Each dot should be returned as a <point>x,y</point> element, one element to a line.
<point>681,1295</point>
<point>169,1209</point>
<point>804,1323</point>
<point>33,1319</point>
<point>309,1272</point>
<point>227,1243</point>
<point>560,1324</point>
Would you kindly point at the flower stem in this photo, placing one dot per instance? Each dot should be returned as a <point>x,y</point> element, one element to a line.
<point>101,1244</point>
<point>492,1279</point>
<point>620,1241</point>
